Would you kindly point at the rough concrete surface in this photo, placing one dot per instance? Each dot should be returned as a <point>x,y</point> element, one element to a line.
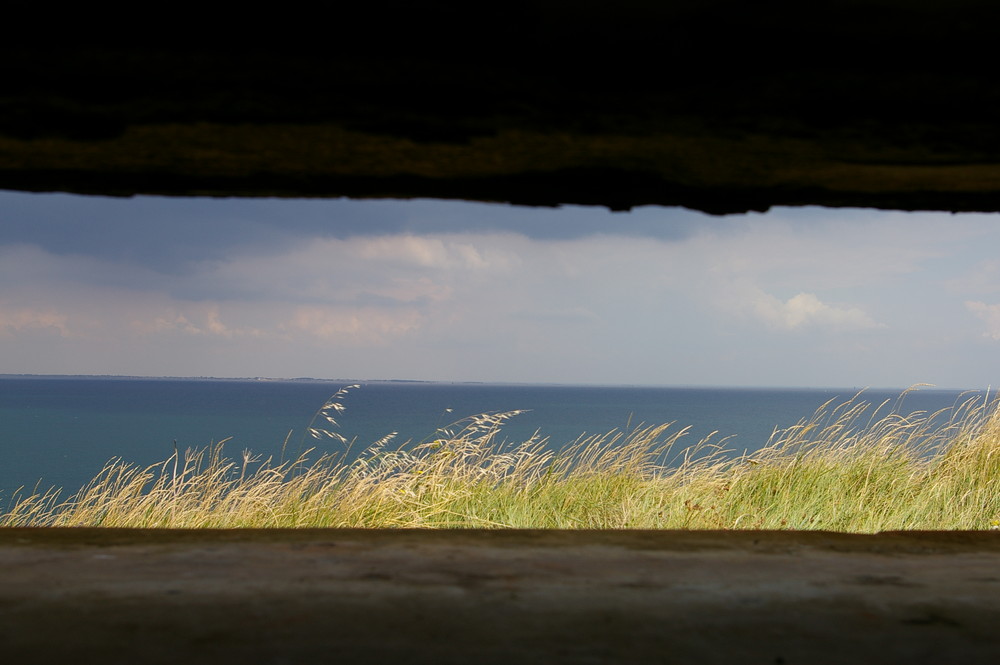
<point>719,105</point>
<point>341,596</point>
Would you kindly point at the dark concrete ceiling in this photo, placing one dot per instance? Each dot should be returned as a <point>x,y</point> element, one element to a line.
<point>719,105</point>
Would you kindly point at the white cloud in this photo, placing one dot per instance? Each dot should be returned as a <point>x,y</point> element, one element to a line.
<point>20,319</point>
<point>432,251</point>
<point>805,310</point>
<point>163,323</point>
<point>401,268</point>
<point>990,314</point>
<point>353,325</point>
<point>190,319</point>
<point>982,278</point>
<point>279,323</point>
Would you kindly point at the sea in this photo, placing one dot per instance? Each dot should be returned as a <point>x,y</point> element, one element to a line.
<point>59,432</point>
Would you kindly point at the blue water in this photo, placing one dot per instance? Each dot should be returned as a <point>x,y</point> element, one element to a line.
<point>60,431</point>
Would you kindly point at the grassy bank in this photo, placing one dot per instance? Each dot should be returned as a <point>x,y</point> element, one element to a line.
<point>850,467</point>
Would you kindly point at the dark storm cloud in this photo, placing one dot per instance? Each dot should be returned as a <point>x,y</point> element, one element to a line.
<point>168,234</point>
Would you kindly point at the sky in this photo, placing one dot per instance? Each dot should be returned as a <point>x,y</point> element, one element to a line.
<point>457,291</point>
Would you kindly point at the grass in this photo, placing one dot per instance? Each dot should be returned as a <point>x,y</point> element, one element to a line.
<point>850,467</point>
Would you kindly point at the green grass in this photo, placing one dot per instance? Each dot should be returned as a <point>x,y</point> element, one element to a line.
<point>850,467</point>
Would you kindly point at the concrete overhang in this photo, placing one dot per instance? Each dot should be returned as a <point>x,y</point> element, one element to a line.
<point>717,105</point>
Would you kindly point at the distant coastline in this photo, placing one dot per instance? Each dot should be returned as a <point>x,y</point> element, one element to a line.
<point>308,379</point>
<point>128,377</point>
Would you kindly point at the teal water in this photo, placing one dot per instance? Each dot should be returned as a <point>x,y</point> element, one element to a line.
<point>61,431</point>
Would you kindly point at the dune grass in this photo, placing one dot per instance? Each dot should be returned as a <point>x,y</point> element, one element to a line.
<point>850,467</point>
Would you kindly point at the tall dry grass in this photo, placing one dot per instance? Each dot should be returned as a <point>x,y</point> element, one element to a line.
<point>850,467</point>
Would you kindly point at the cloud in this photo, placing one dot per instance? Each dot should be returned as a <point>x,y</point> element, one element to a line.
<point>990,314</point>
<point>397,268</point>
<point>805,310</point>
<point>165,323</point>
<point>982,278</point>
<point>195,319</point>
<point>564,316</point>
<point>280,323</point>
<point>20,319</point>
<point>168,235</point>
<point>456,291</point>
<point>429,252</point>
<point>787,254</point>
<point>354,325</point>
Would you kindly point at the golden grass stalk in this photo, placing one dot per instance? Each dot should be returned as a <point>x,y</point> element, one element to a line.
<point>850,467</point>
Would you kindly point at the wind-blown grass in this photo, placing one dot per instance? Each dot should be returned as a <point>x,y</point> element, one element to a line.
<point>850,467</point>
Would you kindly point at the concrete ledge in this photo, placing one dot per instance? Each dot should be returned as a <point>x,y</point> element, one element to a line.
<point>277,596</point>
